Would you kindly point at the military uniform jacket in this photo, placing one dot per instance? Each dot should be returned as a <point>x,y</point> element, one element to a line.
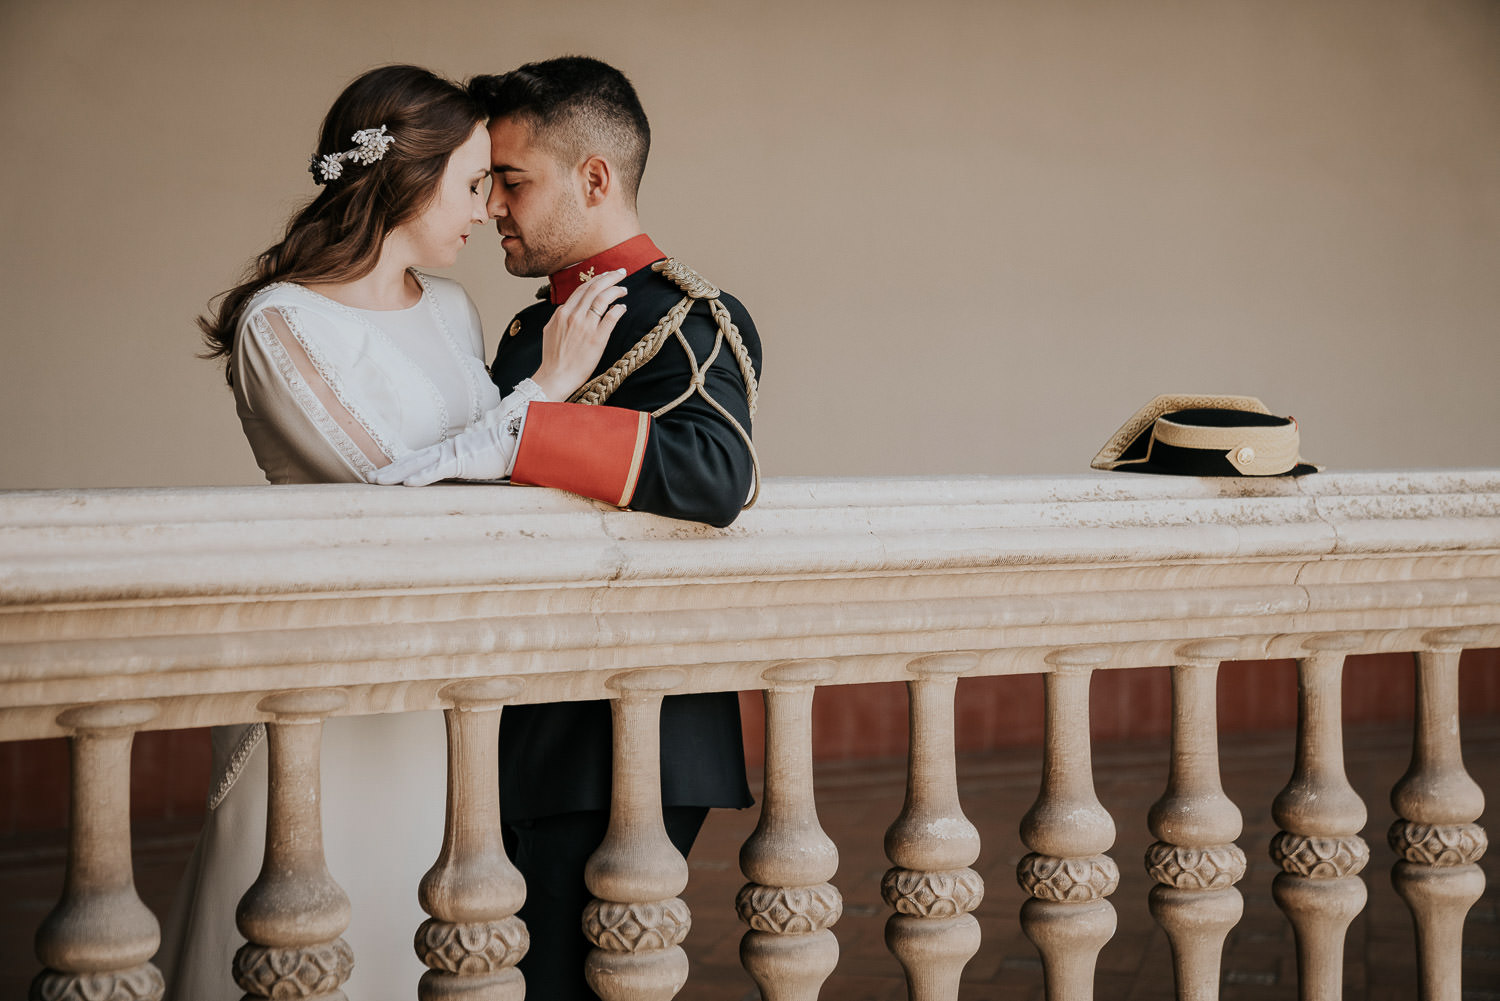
<point>688,463</point>
<point>691,463</point>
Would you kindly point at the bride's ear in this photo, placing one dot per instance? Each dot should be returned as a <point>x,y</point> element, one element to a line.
<point>598,180</point>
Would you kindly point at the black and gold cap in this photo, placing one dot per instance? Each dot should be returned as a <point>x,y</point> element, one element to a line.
<point>1206,436</point>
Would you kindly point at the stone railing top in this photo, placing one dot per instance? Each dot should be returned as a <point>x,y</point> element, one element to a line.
<point>112,544</point>
<point>205,600</point>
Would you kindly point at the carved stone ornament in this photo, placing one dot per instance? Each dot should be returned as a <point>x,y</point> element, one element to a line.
<point>615,927</point>
<point>1217,867</point>
<point>139,983</point>
<point>932,894</point>
<point>789,910</point>
<point>1075,880</point>
<point>1438,844</point>
<point>469,949</point>
<point>1319,858</point>
<point>297,972</point>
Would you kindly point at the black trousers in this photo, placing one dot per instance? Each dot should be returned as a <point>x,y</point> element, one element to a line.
<point>551,853</point>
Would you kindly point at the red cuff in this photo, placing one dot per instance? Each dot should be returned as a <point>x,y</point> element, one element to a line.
<point>593,451</point>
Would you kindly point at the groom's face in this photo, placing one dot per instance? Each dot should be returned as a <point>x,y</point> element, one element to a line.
<point>535,200</point>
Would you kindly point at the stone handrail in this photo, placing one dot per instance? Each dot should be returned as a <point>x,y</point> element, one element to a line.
<point>123,610</point>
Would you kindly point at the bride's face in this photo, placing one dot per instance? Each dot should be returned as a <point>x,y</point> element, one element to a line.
<point>439,231</point>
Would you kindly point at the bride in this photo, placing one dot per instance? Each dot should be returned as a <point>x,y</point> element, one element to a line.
<point>344,357</point>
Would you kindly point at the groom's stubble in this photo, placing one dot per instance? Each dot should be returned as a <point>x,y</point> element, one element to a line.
<point>542,215</point>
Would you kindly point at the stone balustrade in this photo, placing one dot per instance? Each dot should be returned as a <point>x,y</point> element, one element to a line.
<point>124,610</point>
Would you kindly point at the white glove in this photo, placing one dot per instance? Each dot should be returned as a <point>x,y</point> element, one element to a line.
<point>483,452</point>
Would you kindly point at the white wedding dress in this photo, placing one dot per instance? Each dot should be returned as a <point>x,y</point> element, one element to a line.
<point>328,394</point>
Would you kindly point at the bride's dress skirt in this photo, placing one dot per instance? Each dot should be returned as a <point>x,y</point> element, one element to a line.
<point>384,779</point>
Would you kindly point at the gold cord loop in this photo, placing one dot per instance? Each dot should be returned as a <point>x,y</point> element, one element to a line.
<point>603,386</point>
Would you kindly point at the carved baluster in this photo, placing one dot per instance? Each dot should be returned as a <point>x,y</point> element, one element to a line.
<point>1435,837</point>
<point>1319,848</point>
<point>932,844</point>
<point>1195,860</point>
<point>789,904</point>
<point>473,940</point>
<point>1067,873</point>
<point>294,912</point>
<point>636,920</point>
<point>98,940</point>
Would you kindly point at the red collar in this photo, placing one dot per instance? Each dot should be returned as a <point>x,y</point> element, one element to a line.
<point>632,255</point>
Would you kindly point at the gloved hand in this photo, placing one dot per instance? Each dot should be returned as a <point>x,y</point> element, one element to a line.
<point>483,452</point>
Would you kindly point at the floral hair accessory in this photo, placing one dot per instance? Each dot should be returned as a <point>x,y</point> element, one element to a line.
<point>369,146</point>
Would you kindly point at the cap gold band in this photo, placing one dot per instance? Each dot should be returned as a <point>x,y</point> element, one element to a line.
<point>1253,451</point>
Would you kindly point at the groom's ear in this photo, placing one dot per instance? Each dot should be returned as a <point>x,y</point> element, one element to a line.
<point>598,180</point>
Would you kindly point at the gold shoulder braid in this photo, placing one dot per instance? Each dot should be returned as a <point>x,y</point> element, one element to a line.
<point>685,278</point>
<point>695,287</point>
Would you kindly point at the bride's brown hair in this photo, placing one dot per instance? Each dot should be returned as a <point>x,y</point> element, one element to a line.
<point>337,237</point>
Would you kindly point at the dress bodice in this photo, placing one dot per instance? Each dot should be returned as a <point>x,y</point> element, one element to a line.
<point>327,393</point>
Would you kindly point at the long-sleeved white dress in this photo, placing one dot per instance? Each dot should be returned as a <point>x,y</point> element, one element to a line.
<point>328,394</point>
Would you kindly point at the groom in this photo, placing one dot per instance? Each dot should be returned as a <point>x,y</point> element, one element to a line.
<point>568,143</point>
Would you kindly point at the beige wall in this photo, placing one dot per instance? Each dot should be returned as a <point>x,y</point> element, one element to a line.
<point>975,236</point>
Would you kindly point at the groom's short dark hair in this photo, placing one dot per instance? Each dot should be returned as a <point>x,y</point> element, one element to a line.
<point>576,107</point>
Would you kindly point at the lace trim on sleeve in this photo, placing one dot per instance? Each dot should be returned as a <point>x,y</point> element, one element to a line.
<point>518,405</point>
<point>391,450</point>
<point>306,399</point>
<point>513,406</point>
<point>248,742</point>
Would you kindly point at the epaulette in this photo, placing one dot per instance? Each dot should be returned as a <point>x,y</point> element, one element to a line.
<point>685,278</point>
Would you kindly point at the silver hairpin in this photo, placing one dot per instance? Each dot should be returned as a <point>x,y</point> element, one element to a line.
<point>369,146</point>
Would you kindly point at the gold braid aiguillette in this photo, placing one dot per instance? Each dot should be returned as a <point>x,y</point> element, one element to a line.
<point>694,287</point>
